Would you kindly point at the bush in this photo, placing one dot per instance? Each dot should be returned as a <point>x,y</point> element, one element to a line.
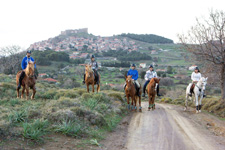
<point>71,128</point>
<point>36,130</point>
<point>18,116</point>
<point>166,82</point>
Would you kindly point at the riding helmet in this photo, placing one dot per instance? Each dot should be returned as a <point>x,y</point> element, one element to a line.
<point>150,66</point>
<point>92,56</point>
<point>29,51</point>
<point>196,68</point>
<point>133,65</point>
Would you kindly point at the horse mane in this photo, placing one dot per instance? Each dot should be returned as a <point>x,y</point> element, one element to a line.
<point>28,68</point>
<point>153,82</point>
<point>89,70</point>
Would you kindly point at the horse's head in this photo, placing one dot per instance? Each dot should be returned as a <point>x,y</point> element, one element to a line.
<point>30,68</point>
<point>128,81</point>
<point>154,81</point>
<point>203,82</point>
<point>88,68</point>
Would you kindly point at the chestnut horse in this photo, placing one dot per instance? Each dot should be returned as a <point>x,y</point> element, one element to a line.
<point>130,91</point>
<point>28,81</point>
<point>90,79</point>
<point>151,90</point>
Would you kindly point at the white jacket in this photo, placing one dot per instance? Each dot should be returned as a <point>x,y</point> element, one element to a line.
<point>150,74</point>
<point>196,76</point>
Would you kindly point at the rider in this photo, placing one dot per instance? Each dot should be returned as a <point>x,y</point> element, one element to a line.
<point>148,76</point>
<point>195,77</point>
<point>24,63</point>
<point>94,66</point>
<point>134,74</point>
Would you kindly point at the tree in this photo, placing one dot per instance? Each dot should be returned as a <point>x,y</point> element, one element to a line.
<point>169,70</point>
<point>206,40</point>
<point>11,61</point>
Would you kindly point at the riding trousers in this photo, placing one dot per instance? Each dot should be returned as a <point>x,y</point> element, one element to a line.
<point>22,75</point>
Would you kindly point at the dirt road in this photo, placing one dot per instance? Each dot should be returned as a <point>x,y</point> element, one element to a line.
<point>166,128</point>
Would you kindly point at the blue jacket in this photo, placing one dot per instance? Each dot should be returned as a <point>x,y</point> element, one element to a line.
<point>134,74</point>
<point>25,62</point>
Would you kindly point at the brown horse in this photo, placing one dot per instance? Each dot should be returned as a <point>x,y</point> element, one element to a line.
<point>151,90</point>
<point>130,91</point>
<point>90,79</point>
<point>28,81</point>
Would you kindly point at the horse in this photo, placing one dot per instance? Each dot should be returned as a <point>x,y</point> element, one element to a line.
<point>151,90</point>
<point>28,81</point>
<point>130,91</point>
<point>90,79</point>
<point>198,92</point>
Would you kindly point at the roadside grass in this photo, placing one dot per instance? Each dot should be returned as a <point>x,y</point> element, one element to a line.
<point>35,131</point>
<point>213,105</point>
<point>90,116</point>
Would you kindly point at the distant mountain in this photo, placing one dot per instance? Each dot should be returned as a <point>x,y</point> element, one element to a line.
<point>149,38</point>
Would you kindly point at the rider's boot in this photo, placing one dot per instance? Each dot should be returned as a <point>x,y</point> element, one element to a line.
<point>138,93</point>
<point>21,79</point>
<point>84,79</point>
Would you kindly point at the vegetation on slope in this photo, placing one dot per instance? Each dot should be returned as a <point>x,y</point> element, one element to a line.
<point>149,38</point>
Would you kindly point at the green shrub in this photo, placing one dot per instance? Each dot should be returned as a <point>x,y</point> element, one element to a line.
<point>90,103</point>
<point>116,96</point>
<point>36,130</point>
<point>18,116</point>
<point>14,102</point>
<point>69,127</point>
<point>112,121</point>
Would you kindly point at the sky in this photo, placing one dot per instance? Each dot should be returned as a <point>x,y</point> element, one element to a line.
<point>23,22</point>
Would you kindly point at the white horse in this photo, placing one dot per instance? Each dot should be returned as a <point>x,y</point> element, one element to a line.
<point>198,92</point>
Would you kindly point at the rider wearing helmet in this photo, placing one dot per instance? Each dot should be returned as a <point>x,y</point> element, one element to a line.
<point>94,66</point>
<point>134,73</point>
<point>148,76</point>
<point>24,63</point>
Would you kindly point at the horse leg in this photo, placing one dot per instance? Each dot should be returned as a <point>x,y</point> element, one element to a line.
<point>149,102</point>
<point>135,103</point>
<point>87,88</point>
<point>22,94</point>
<point>98,88</point>
<point>132,102</point>
<point>196,103</point>
<point>93,87</point>
<point>140,104</point>
<point>34,91</point>
<point>18,93</point>
<point>27,92</point>
<point>200,103</point>
<point>153,103</point>
<point>186,103</point>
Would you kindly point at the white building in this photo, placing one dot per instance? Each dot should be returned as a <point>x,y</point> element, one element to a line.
<point>192,67</point>
<point>142,65</point>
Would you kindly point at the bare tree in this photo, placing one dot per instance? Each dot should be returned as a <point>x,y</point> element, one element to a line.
<point>206,40</point>
<point>10,60</point>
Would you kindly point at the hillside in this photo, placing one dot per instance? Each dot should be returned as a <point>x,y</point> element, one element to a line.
<point>149,38</point>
